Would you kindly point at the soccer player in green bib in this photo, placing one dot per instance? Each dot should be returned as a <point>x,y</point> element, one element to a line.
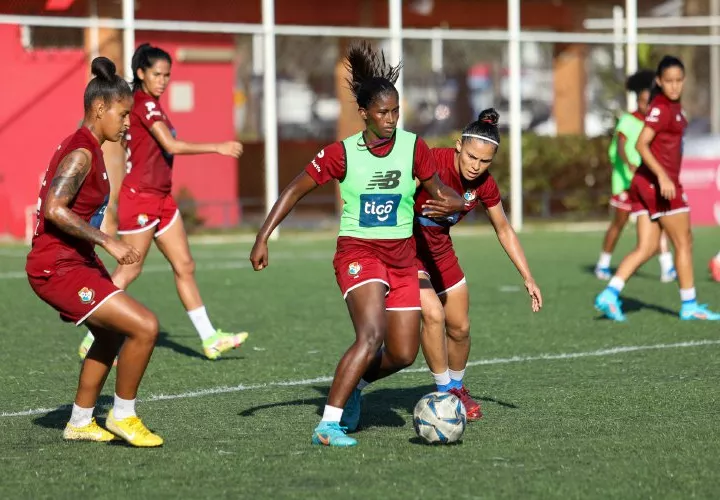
<point>374,261</point>
<point>625,159</point>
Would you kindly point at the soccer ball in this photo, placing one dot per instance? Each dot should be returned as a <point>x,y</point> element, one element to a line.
<point>439,417</point>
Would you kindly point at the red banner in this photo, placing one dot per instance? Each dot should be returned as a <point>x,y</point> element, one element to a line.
<point>700,179</point>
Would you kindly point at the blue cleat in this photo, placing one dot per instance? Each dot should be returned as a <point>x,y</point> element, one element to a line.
<point>332,434</point>
<point>603,273</point>
<point>669,276</point>
<point>695,311</point>
<point>351,412</point>
<point>609,304</point>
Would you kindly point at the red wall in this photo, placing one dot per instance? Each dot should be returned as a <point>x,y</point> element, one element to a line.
<point>212,179</point>
<point>41,103</point>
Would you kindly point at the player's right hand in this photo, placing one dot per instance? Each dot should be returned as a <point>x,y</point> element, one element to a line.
<point>259,255</point>
<point>122,252</point>
<point>667,187</point>
<point>231,148</point>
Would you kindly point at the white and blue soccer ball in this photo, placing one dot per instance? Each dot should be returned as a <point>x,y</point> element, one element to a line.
<point>439,417</point>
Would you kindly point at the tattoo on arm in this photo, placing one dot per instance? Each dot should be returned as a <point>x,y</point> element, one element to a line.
<point>64,187</point>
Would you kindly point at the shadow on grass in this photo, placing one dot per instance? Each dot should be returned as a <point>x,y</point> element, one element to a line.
<point>380,408</point>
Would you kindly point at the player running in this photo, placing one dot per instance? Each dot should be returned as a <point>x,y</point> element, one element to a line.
<point>374,262</point>
<point>657,197</point>
<point>444,292</point>
<point>625,160</point>
<point>64,270</point>
<point>146,208</point>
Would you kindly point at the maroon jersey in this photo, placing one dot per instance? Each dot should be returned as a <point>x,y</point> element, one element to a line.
<point>666,118</point>
<point>149,166</point>
<point>330,164</point>
<point>433,235</point>
<point>52,247</point>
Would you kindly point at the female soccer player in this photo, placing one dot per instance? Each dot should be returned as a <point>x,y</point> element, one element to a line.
<point>657,197</point>
<point>146,207</point>
<point>443,291</point>
<point>625,160</point>
<point>64,270</point>
<point>374,262</point>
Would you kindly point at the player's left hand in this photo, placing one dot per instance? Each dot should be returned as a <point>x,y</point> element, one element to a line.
<point>443,207</point>
<point>667,187</point>
<point>535,295</point>
<point>259,255</point>
<point>231,148</point>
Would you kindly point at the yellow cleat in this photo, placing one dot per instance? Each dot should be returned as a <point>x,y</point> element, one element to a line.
<point>133,431</point>
<point>222,342</point>
<point>89,432</point>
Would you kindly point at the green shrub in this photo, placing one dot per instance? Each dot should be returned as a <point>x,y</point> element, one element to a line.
<point>189,210</point>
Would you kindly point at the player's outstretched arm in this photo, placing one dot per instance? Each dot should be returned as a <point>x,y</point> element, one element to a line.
<point>511,244</point>
<point>177,147</point>
<point>445,201</point>
<point>69,177</point>
<point>294,192</point>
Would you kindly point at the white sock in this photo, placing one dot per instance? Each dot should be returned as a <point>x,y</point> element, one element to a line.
<point>332,414</point>
<point>687,294</point>
<point>123,408</point>
<point>362,384</point>
<point>604,260</point>
<point>666,261</point>
<point>617,284</point>
<point>457,376</point>
<point>202,323</point>
<point>80,417</point>
<point>442,378</point>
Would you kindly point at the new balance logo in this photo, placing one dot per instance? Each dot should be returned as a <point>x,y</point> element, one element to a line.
<point>385,180</point>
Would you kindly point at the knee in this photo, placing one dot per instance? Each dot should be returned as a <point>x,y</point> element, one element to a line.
<point>405,358</point>
<point>459,332</point>
<point>433,315</point>
<point>646,249</point>
<point>124,275</point>
<point>684,243</point>
<point>184,267</point>
<point>371,338</point>
<point>149,327</point>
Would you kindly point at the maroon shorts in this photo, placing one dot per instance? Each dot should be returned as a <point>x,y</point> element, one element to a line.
<point>138,212</point>
<point>74,291</point>
<point>645,198</point>
<point>403,289</point>
<point>443,270</point>
<point>621,201</point>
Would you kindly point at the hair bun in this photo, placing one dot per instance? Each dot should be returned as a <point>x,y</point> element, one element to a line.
<point>103,68</point>
<point>490,116</point>
<point>642,80</point>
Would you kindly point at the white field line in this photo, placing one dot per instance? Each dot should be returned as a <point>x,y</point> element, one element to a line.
<point>612,351</point>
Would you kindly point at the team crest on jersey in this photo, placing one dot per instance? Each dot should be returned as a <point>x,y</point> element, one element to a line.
<point>142,219</point>
<point>470,196</point>
<point>354,269</point>
<point>86,295</point>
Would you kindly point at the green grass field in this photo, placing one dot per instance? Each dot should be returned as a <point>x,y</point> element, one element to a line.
<point>575,406</point>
